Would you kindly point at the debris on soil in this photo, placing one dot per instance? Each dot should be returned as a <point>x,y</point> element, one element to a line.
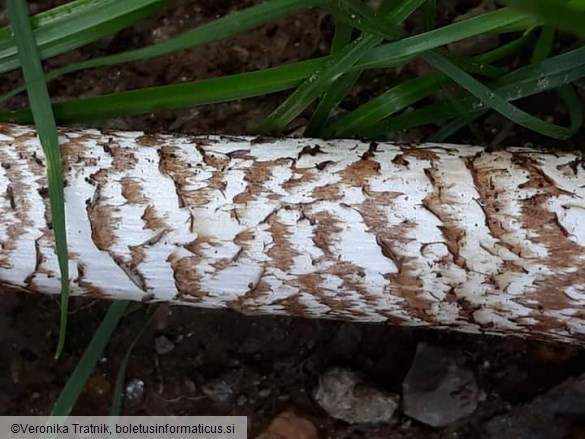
<point>232,387</point>
<point>555,414</point>
<point>438,389</point>
<point>163,345</point>
<point>98,384</point>
<point>289,425</point>
<point>134,391</point>
<point>344,395</point>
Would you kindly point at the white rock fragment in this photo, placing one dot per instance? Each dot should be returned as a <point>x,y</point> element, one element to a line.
<point>344,395</point>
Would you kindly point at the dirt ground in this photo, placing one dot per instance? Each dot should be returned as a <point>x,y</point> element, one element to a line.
<point>192,361</point>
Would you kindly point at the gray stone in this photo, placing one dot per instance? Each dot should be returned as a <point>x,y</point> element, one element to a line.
<point>438,390</point>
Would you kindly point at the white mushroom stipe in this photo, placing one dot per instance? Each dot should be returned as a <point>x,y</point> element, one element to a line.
<point>440,236</point>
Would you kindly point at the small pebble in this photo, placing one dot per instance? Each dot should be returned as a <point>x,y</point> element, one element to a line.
<point>264,393</point>
<point>163,345</point>
<point>242,400</point>
<point>134,391</point>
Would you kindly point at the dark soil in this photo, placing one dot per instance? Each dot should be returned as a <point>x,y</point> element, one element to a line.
<point>258,366</point>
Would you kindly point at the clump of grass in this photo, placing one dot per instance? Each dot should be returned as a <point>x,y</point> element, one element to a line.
<point>364,38</point>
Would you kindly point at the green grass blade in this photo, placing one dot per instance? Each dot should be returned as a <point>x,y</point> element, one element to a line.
<point>411,91</point>
<point>573,106</point>
<point>91,355</point>
<point>429,12</point>
<point>306,93</point>
<point>495,101</point>
<point>455,125</point>
<point>567,16</point>
<point>334,67</point>
<point>51,17</point>
<point>549,74</point>
<point>47,132</point>
<point>544,45</point>
<point>232,24</point>
<point>535,78</point>
<point>561,69</point>
<point>407,48</point>
<point>334,94</point>
<point>118,393</point>
<point>82,26</point>
<point>542,50</point>
<point>568,95</point>
<point>188,94</point>
<point>397,98</point>
<point>356,14</point>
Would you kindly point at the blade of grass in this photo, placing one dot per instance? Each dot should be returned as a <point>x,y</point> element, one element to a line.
<point>118,392</point>
<point>544,44</point>
<point>51,16</point>
<point>429,11</point>
<point>559,70</point>
<point>410,91</point>
<point>375,58</point>
<point>495,101</point>
<point>497,21</point>
<point>47,131</point>
<point>542,50</point>
<point>337,65</point>
<point>567,16</point>
<point>232,24</point>
<point>81,26</point>
<point>568,95</point>
<point>573,106</point>
<point>380,26</point>
<point>187,94</point>
<point>535,78</point>
<point>338,89</point>
<point>89,359</point>
<point>455,125</point>
<point>356,14</point>
<point>322,78</point>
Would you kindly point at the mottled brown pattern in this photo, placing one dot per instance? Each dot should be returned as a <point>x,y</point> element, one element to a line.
<point>74,150</point>
<point>358,172</point>
<point>406,283</point>
<point>123,159</point>
<point>326,231</point>
<point>137,256</point>
<point>243,237</point>
<point>132,190</point>
<point>310,283</point>
<point>564,253</point>
<point>489,199</point>
<point>187,280</point>
<point>148,140</point>
<point>171,166</point>
<point>281,250</point>
<point>15,193</point>
<point>435,203</point>
<point>294,306</point>
<point>222,264</point>
<point>245,303</point>
<point>256,176</point>
<point>419,153</point>
<point>328,192</point>
<point>87,287</point>
<point>197,246</point>
<point>300,177</point>
<point>152,220</point>
<point>104,222</point>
